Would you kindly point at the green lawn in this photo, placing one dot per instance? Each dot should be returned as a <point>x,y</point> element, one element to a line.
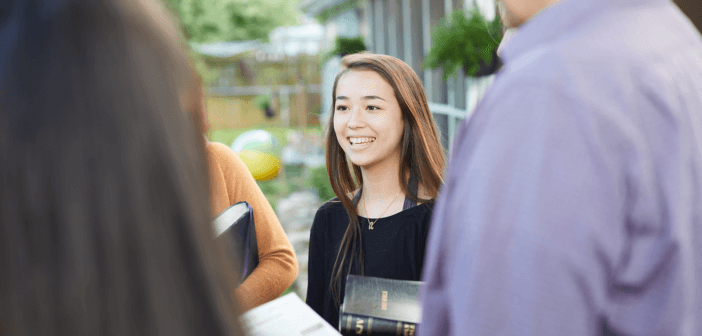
<point>227,136</point>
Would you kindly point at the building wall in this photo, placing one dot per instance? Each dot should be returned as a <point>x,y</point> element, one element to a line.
<point>402,28</point>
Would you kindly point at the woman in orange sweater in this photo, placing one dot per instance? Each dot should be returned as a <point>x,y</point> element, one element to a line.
<point>231,182</point>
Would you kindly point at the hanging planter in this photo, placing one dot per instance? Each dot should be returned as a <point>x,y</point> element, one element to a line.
<point>264,103</point>
<point>465,42</point>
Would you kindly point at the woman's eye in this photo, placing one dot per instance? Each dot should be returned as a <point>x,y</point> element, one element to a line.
<point>341,108</point>
<point>372,108</point>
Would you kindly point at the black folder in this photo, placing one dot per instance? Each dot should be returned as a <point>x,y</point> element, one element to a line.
<point>236,224</point>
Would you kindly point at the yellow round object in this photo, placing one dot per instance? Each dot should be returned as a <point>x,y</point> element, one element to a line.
<point>263,166</point>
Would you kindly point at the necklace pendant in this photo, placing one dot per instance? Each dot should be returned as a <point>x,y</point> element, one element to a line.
<point>371,223</point>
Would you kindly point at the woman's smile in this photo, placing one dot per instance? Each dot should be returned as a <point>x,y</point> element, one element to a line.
<point>360,142</point>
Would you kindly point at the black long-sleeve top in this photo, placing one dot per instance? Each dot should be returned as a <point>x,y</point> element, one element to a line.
<point>394,249</point>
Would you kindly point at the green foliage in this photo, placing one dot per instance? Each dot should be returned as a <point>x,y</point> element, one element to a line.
<point>262,101</point>
<point>345,46</point>
<point>233,20</point>
<point>319,180</point>
<point>464,42</point>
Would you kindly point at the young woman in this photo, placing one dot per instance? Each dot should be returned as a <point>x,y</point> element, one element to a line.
<point>230,183</point>
<point>378,223</point>
<point>104,212</point>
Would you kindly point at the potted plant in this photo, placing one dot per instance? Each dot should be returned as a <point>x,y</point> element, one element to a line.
<point>264,103</point>
<point>467,42</point>
<point>345,46</point>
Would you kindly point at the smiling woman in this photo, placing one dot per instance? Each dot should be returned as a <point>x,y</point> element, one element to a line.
<point>368,121</point>
<point>381,123</point>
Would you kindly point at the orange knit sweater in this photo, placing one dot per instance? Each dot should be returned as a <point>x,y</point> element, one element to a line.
<point>230,183</point>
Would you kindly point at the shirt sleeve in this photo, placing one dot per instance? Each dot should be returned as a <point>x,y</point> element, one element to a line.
<point>317,284</point>
<point>522,241</point>
<point>277,268</point>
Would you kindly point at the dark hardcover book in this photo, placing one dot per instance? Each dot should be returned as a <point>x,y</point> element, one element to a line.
<point>236,224</point>
<point>366,325</point>
<point>377,306</point>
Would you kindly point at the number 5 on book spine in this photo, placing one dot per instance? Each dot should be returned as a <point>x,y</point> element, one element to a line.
<point>409,329</point>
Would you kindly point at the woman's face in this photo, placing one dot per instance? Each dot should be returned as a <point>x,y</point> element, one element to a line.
<point>367,119</point>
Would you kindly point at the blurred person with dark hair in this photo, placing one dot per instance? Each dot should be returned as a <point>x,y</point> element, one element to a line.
<point>573,202</point>
<point>104,212</point>
<point>230,183</point>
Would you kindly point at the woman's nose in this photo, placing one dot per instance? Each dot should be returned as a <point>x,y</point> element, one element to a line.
<point>356,119</point>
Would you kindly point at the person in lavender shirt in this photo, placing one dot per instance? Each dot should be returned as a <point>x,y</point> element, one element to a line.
<point>573,201</point>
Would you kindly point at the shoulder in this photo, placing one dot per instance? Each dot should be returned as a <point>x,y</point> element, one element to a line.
<point>423,211</point>
<point>218,150</point>
<point>332,207</point>
<point>428,206</point>
<point>594,67</point>
<point>331,211</point>
<point>222,155</point>
<point>328,215</point>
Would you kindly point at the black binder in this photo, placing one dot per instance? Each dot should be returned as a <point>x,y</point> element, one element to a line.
<point>236,224</point>
<point>377,306</point>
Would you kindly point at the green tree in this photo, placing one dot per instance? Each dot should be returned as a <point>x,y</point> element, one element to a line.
<point>233,20</point>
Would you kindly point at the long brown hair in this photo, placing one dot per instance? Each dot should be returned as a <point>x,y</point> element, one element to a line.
<point>422,155</point>
<point>104,212</point>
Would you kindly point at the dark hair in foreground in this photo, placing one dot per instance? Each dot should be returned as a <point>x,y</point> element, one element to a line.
<point>104,214</point>
<point>421,156</point>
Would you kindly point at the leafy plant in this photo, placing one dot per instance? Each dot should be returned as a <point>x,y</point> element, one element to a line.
<point>467,42</point>
<point>345,46</point>
<point>319,180</point>
<point>262,101</point>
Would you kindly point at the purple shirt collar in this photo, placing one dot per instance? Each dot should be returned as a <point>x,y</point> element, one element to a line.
<point>557,19</point>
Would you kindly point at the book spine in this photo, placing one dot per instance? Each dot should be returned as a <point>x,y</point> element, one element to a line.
<point>352,324</point>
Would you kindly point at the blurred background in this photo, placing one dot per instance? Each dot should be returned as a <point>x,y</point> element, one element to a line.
<point>269,66</point>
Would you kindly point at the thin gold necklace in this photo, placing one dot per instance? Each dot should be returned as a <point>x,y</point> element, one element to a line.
<point>371,223</point>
